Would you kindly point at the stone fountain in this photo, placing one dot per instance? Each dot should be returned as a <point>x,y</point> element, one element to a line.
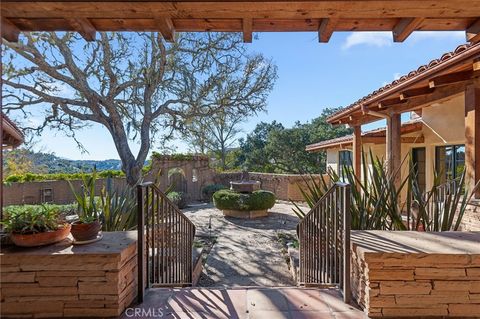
<point>244,199</point>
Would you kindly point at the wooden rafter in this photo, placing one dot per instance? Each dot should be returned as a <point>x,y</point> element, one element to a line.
<point>166,28</point>
<point>473,32</point>
<point>84,27</point>
<point>411,93</point>
<point>405,27</point>
<point>228,16</point>
<point>247,26</point>
<point>451,78</point>
<point>388,102</point>
<point>326,28</point>
<point>10,32</point>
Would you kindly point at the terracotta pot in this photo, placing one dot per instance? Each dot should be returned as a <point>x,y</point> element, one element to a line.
<point>86,231</point>
<point>40,239</point>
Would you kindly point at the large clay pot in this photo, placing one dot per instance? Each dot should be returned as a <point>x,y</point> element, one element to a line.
<point>40,239</point>
<point>86,231</point>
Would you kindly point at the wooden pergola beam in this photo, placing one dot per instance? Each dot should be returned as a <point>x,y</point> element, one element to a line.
<point>247,26</point>
<point>326,28</point>
<point>405,27</point>
<point>84,27</point>
<point>10,32</point>
<point>473,32</point>
<point>166,28</point>
<point>450,78</point>
<point>416,92</point>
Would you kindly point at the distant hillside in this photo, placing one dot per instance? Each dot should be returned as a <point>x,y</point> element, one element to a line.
<point>50,163</point>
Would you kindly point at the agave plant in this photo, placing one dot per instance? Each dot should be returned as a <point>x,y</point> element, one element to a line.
<point>88,203</point>
<point>443,207</point>
<point>119,209</point>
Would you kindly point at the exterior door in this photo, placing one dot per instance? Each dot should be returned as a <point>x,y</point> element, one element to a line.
<point>419,159</point>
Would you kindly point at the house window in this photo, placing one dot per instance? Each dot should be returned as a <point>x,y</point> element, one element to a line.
<point>450,161</point>
<point>344,161</point>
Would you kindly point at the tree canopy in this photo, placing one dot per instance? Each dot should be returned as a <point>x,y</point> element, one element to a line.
<point>272,148</point>
<point>137,86</point>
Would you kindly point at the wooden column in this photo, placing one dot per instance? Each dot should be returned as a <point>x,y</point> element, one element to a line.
<point>357,150</point>
<point>472,135</point>
<point>393,151</point>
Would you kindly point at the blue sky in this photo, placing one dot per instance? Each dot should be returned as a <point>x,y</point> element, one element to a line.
<point>312,76</point>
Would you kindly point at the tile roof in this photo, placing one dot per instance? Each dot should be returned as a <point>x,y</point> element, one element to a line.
<point>444,59</point>
<point>10,128</point>
<point>347,139</point>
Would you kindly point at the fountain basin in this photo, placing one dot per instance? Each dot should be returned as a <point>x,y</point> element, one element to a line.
<point>245,186</point>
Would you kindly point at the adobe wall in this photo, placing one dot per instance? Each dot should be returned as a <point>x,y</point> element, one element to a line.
<point>30,192</point>
<point>285,186</point>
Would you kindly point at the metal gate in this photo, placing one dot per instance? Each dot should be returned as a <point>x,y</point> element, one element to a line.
<point>324,236</point>
<point>165,241</point>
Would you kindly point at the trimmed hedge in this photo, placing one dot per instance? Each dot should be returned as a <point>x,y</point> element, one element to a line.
<point>211,189</point>
<point>258,200</point>
<point>31,177</point>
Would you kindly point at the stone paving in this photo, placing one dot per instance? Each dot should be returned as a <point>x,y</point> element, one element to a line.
<point>247,252</point>
<point>244,303</point>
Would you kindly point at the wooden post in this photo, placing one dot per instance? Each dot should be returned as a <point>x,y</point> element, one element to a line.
<point>357,150</point>
<point>393,151</point>
<point>472,135</point>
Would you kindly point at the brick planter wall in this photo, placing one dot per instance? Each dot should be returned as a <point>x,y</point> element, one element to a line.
<point>94,280</point>
<point>408,274</point>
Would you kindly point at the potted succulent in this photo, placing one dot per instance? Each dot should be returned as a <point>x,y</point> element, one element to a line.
<point>88,225</point>
<point>31,226</point>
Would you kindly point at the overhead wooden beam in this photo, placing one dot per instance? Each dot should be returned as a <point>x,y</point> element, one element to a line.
<point>473,32</point>
<point>405,27</point>
<point>439,95</point>
<point>84,27</point>
<point>416,92</point>
<point>403,139</point>
<point>388,102</point>
<point>326,29</point>
<point>166,28</point>
<point>451,78</point>
<point>247,26</point>
<point>10,32</point>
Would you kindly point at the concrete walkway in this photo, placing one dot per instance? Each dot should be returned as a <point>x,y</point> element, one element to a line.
<point>247,252</point>
<point>244,303</point>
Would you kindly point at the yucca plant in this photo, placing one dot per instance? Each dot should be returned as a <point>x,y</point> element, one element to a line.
<point>88,203</point>
<point>443,207</point>
<point>119,209</point>
<point>374,201</point>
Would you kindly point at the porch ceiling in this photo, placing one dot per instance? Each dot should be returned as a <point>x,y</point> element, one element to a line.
<point>439,80</point>
<point>402,17</point>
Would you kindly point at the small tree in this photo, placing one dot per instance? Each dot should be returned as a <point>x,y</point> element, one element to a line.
<point>133,84</point>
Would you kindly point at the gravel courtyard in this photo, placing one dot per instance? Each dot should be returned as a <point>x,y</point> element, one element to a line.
<point>246,252</point>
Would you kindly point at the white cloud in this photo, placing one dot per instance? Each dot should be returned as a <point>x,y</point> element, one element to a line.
<point>382,39</point>
<point>378,39</point>
<point>440,35</point>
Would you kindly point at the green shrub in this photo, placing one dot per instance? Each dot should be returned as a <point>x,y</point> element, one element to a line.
<point>30,177</point>
<point>209,190</point>
<point>30,219</point>
<point>178,198</point>
<point>258,200</point>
